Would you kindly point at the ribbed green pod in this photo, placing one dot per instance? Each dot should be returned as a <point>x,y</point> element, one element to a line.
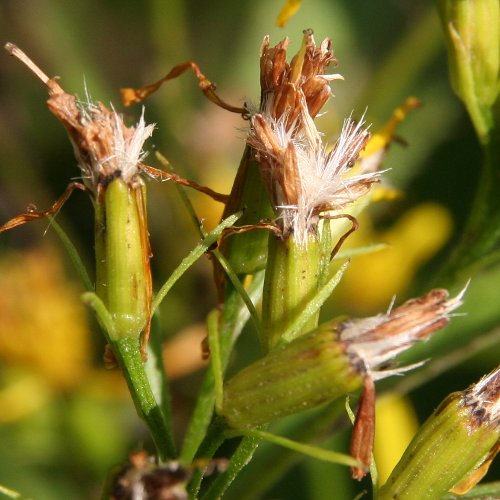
<point>293,275</point>
<point>472,34</point>
<point>447,448</point>
<point>123,281</point>
<point>296,376</point>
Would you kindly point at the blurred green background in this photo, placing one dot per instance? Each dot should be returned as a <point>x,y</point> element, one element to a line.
<point>64,421</point>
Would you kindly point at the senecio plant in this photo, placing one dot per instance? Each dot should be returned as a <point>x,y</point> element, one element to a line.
<point>294,202</point>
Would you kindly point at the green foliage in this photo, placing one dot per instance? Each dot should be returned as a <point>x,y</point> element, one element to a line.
<point>65,447</point>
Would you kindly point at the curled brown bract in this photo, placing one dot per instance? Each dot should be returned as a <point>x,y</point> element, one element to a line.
<point>31,214</point>
<point>132,96</point>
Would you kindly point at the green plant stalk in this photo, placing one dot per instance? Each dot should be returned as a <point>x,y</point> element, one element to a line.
<point>123,286</point>
<point>157,376</point>
<point>333,457</point>
<point>127,353</point>
<point>73,255</point>
<point>478,246</point>
<point>276,461</point>
<point>444,451</point>
<point>292,276</point>
<point>208,240</point>
<point>472,33</point>
<point>232,320</point>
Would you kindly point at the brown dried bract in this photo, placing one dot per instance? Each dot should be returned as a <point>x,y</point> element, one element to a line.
<point>423,316</point>
<point>364,429</point>
<point>282,82</point>
<point>132,96</point>
<point>104,147</point>
<point>33,214</point>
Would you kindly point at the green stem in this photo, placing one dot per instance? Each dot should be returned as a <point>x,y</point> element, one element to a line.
<point>478,247</point>
<point>276,461</point>
<point>73,255</point>
<point>193,256</point>
<point>156,374</point>
<point>233,319</point>
<point>239,460</point>
<point>127,352</point>
<point>311,451</point>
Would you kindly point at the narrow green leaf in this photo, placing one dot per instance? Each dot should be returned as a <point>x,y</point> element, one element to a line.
<point>311,451</point>
<point>73,255</point>
<point>193,256</point>
<point>105,319</point>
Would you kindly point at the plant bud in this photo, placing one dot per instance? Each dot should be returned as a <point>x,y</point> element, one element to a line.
<point>454,447</point>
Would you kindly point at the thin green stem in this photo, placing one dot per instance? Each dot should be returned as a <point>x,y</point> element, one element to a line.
<point>155,371</point>
<point>193,256</point>
<point>241,291</point>
<point>311,451</point>
<point>73,255</point>
<point>127,352</point>
<point>103,316</point>
<point>481,237</point>
<point>233,319</point>
<point>239,460</point>
<point>215,361</point>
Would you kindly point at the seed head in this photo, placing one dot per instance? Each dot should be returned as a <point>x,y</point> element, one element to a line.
<point>303,177</point>
<point>378,339</point>
<point>482,400</point>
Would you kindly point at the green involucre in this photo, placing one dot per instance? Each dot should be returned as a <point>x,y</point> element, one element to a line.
<point>122,280</point>
<point>296,376</point>
<point>444,451</point>
<point>293,275</point>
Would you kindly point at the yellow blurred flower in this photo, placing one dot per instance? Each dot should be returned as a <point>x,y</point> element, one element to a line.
<point>287,11</point>
<point>395,426</point>
<point>43,326</point>
<point>374,278</point>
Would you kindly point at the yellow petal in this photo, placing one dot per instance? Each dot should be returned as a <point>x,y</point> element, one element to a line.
<point>288,10</point>
<point>395,426</point>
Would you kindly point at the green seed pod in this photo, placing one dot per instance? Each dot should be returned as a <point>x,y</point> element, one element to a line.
<point>331,361</point>
<point>123,279</point>
<point>453,448</point>
<point>302,374</point>
<point>247,252</point>
<point>472,29</point>
<point>293,274</point>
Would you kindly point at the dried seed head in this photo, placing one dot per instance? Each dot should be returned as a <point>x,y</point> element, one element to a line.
<point>376,340</point>
<point>302,177</point>
<point>104,146</point>
<point>482,400</point>
<point>283,84</point>
<point>460,439</point>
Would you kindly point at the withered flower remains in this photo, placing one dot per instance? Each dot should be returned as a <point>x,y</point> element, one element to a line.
<point>108,154</point>
<point>302,176</point>
<point>357,348</point>
<point>335,359</point>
